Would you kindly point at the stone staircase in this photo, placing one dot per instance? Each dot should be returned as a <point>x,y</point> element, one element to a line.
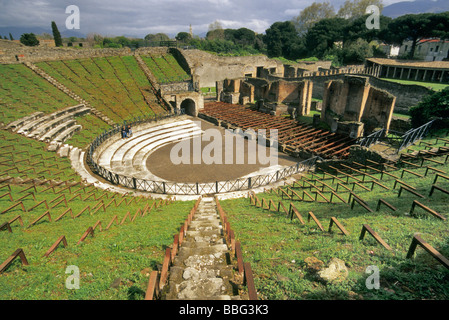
<point>202,269</point>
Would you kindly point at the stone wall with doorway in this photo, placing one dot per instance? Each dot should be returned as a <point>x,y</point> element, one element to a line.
<point>352,106</point>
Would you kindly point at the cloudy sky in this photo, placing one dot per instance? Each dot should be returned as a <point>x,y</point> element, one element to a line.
<point>141,17</point>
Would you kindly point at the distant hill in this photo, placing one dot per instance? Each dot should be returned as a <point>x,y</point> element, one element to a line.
<point>18,31</point>
<point>413,7</point>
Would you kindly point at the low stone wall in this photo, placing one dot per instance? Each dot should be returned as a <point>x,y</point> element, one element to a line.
<point>31,54</point>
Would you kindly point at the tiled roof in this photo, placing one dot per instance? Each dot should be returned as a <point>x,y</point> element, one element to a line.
<point>411,63</point>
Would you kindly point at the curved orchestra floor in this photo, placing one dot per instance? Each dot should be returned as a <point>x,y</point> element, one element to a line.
<point>160,164</point>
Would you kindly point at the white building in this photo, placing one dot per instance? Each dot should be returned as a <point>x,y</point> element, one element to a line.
<point>427,49</point>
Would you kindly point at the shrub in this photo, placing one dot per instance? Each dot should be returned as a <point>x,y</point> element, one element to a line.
<point>433,106</point>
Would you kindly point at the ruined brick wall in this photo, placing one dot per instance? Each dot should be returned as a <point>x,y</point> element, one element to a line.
<point>210,68</point>
<point>406,95</point>
<point>353,105</point>
<point>284,92</point>
<point>378,110</point>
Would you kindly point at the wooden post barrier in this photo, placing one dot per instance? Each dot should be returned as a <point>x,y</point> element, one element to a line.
<point>26,189</point>
<point>97,224</point>
<point>427,247</point>
<point>334,220</point>
<point>99,207</point>
<point>411,172</point>
<point>433,169</point>
<point>410,191</point>
<point>165,266</point>
<point>294,193</point>
<point>381,201</point>
<point>285,193</point>
<point>437,188</point>
<point>153,286</point>
<point>439,176</point>
<point>249,280</point>
<point>361,203</point>
<point>127,215</point>
<point>38,204</point>
<point>18,253</point>
<point>431,160</point>
<point>175,246</point>
<point>427,209</point>
<point>6,226</point>
<point>410,164</point>
<point>13,206</point>
<point>280,204</point>
<point>27,195</point>
<point>239,256</point>
<point>311,215</point>
<point>333,193</point>
<point>366,228</point>
<point>402,183</point>
<point>16,218</point>
<point>64,213</point>
<point>84,236</point>
<point>114,218</point>
<point>293,210</point>
<point>55,245</point>
<point>46,213</point>
<point>81,212</point>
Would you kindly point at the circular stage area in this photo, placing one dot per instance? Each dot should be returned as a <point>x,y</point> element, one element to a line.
<point>186,155</point>
<point>160,164</point>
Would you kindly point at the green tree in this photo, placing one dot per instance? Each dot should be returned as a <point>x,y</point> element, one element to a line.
<point>325,35</point>
<point>11,37</point>
<point>245,36</point>
<point>56,34</point>
<point>357,29</point>
<point>357,8</point>
<point>282,40</point>
<point>183,37</point>
<point>356,52</point>
<point>215,31</point>
<point>29,39</point>
<point>413,27</point>
<point>433,106</point>
<point>157,37</point>
<point>311,15</point>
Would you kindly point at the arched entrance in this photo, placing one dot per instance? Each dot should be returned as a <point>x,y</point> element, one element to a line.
<point>188,107</point>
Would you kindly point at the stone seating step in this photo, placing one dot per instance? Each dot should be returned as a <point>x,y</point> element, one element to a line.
<point>49,135</point>
<point>68,133</point>
<point>15,125</point>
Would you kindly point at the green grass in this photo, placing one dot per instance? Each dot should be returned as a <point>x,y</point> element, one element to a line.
<point>308,118</point>
<point>431,85</point>
<point>23,92</point>
<point>277,247</point>
<point>128,252</point>
<point>165,68</point>
<point>113,85</point>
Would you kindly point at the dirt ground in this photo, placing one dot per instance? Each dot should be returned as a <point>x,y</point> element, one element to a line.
<point>160,164</point>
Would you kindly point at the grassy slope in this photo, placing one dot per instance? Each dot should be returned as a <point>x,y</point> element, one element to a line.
<point>277,246</point>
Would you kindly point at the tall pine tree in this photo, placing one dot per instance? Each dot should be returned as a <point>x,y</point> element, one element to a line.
<point>56,34</point>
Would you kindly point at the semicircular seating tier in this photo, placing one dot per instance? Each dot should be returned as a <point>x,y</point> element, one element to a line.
<point>53,128</point>
<point>128,156</point>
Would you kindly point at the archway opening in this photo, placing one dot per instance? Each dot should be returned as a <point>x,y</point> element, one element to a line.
<point>188,107</point>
